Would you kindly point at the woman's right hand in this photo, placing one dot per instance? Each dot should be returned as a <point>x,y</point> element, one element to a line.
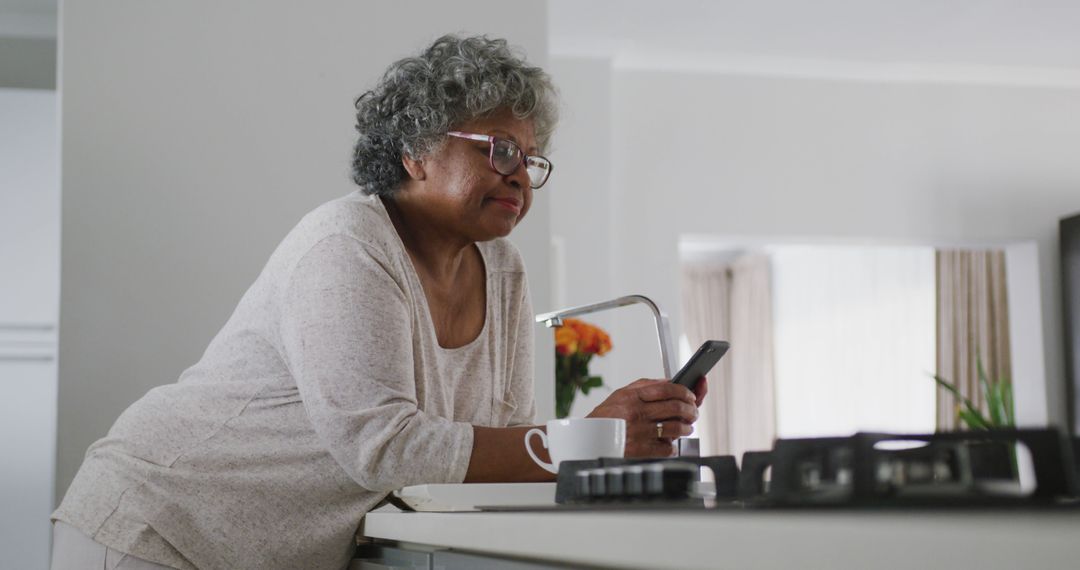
<point>646,403</point>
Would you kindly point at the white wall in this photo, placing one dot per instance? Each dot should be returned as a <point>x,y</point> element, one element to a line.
<point>195,135</point>
<point>730,155</point>
<point>29,295</point>
<point>580,190</point>
<point>1024,292</point>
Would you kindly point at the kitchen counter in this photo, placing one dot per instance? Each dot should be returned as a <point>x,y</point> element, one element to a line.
<point>984,539</point>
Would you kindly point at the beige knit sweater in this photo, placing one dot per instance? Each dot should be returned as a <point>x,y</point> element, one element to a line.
<point>325,390</point>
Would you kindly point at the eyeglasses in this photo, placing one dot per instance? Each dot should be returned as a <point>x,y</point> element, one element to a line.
<point>504,157</point>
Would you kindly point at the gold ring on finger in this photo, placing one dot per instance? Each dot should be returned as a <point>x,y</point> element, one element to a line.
<point>659,430</point>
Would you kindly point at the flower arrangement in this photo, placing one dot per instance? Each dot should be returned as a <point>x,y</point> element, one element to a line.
<point>575,344</point>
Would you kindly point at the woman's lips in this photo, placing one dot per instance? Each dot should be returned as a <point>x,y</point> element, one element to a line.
<point>509,203</point>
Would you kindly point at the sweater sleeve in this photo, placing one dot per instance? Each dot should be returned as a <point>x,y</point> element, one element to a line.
<point>346,332</point>
<point>522,387</point>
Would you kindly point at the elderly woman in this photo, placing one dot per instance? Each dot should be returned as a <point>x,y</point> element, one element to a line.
<point>386,343</point>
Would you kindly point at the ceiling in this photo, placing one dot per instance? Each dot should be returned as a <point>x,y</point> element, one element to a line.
<point>992,36</point>
<point>1016,38</point>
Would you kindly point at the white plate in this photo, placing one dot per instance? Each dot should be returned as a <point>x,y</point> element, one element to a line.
<point>467,496</point>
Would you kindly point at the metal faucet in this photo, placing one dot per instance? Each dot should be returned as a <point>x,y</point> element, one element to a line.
<point>686,446</point>
<point>663,329</point>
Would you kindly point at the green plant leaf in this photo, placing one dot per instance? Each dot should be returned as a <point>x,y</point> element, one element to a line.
<point>973,419</point>
<point>998,413</point>
<point>968,405</point>
<point>992,396</point>
<point>982,421</point>
<point>947,385</point>
<point>1007,397</point>
<point>590,383</point>
<point>994,407</point>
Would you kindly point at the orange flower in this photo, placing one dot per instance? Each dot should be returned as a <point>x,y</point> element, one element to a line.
<point>603,344</point>
<point>566,340</point>
<point>576,335</point>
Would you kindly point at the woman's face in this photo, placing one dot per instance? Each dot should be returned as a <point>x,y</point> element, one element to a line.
<point>462,193</point>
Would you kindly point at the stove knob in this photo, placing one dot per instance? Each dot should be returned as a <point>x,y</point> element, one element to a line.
<point>597,483</point>
<point>634,480</point>
<point>654,479</point>
<point>582,483</point>
<point>615,487</point>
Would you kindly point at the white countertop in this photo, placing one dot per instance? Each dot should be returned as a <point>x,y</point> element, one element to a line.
<point>753,539</point>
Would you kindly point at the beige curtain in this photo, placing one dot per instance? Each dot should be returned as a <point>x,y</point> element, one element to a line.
<point>972,318</point>
<point>733,302</point>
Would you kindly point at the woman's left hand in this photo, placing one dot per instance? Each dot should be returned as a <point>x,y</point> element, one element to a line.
<point>700,390</point>
<point>657,412</point>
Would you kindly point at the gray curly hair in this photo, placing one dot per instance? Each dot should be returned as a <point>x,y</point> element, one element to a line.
<point>419,99</point>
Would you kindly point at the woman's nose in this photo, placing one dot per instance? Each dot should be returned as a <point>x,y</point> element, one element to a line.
<point>519,178</point>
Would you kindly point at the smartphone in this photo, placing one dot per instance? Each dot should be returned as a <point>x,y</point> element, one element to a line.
<point>700,363</point>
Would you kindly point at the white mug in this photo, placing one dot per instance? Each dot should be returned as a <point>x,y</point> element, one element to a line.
<point>579,438</point>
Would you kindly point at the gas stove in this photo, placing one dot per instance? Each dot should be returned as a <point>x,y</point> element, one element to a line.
<point>1027,468</point>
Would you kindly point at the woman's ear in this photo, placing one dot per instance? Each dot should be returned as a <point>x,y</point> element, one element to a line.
<point>414,167</point>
